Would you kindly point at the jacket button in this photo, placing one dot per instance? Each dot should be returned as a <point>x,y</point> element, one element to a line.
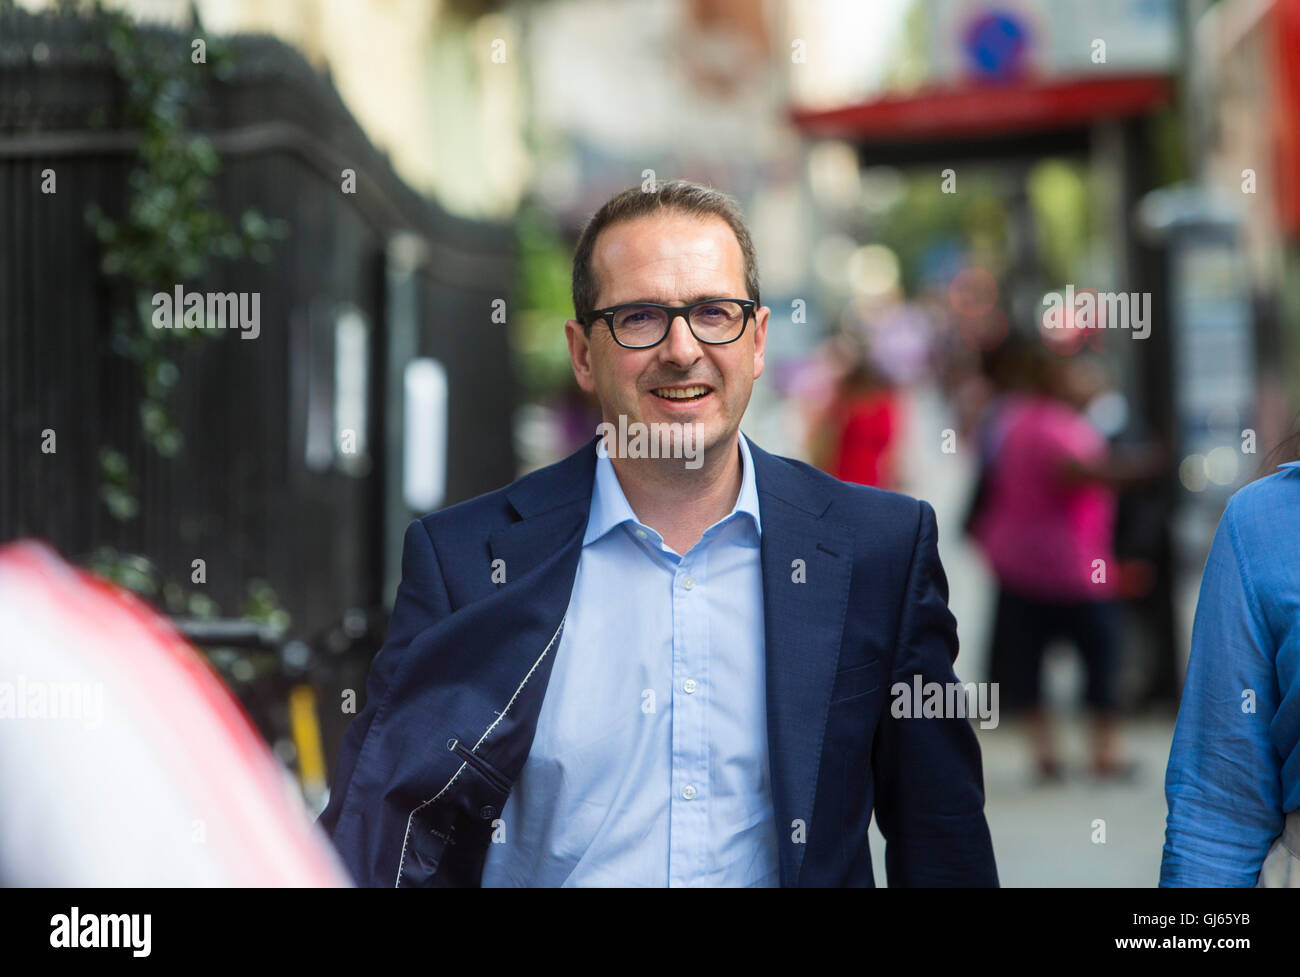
<point>487,812</point>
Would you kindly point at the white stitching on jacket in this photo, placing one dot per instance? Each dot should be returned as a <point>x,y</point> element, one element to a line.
<point>502,715</point>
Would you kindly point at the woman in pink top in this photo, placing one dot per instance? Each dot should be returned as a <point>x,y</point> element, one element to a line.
<point>1046,523</point>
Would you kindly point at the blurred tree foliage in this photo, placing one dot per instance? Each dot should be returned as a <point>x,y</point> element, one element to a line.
<point>537,328</point>
<point>925,214</point>
<point>141,575</point>
<point>170,232</point>
<point>1059,195</point>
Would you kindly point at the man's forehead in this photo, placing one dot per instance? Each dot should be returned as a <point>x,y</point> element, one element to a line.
<point>672,252</point>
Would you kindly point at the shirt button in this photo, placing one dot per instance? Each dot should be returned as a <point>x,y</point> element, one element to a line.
<point>640,534</point>
<point>487,812</point>
<point>688,582</point>
<point>689,686</point>
<point>688,791</point>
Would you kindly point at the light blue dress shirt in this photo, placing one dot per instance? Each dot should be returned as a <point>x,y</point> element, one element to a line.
<point>650,766</point>
<point>1234,767</point>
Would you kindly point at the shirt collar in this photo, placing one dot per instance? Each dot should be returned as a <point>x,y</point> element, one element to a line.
<point>1290,464</point>
<point>610,508</point>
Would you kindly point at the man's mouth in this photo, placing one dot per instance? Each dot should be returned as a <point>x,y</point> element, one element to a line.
<point>682,394</point>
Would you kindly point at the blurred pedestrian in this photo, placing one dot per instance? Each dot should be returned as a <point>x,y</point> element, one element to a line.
<point>1233,781</point>
<point>1006,374</point>
<point>1046,522</point>
<point>856,436</point>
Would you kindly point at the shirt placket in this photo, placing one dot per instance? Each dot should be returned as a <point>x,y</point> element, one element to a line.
<point>691,787</point>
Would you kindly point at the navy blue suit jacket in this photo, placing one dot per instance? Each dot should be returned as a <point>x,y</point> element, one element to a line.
<point>854,598</point>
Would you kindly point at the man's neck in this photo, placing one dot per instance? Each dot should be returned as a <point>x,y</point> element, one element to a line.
<point>677,502</point>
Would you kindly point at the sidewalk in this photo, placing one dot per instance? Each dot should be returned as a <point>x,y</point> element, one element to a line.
<point>1043,836</point>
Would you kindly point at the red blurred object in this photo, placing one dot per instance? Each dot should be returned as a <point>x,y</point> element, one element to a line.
<point>1066,332</point>
<point>1286,34</point>
<point>126,761</point>
<point>1137,578</point>
<point>978,110</point>
<point>868,428</point>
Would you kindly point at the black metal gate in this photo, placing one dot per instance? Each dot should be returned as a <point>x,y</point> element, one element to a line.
<point>261,490</point>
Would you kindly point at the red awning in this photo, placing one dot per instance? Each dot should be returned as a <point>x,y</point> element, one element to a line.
<point>989,110</point>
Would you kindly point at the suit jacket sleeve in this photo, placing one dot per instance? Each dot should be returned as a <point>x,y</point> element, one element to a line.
<point>929,780</point>
<point>421,601</point>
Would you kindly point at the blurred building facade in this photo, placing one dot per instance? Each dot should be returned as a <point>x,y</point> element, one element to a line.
<point>436,84</point>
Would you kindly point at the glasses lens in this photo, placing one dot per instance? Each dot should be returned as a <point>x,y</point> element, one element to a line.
<point>640,325</point>
<point>718,322</point>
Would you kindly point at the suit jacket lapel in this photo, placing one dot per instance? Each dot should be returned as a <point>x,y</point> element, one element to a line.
<point>550,504</point>
<point>807,566</point>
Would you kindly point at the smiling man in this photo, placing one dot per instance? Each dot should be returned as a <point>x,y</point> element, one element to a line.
<point>630,670</point>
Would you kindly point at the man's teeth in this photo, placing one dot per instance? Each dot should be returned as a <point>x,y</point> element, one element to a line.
<point>681,393</point>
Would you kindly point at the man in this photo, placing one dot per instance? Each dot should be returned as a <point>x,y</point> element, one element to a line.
<point>649,667</point>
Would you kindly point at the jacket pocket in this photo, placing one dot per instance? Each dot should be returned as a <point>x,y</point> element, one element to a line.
<point>485,769</point>
<point>855,681</point>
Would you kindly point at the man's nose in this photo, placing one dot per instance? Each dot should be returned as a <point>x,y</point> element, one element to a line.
<point>681,347</point>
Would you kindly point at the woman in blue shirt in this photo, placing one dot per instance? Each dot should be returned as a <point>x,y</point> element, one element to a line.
<point>1233,782</point>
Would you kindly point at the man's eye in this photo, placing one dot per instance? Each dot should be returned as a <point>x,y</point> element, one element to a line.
<point>713,313</point>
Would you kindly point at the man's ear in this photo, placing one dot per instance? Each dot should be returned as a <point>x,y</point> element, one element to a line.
<point>580,355</point>
<point>761,315</point>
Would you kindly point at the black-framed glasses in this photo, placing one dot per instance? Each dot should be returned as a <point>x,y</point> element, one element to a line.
<point>640,325</point>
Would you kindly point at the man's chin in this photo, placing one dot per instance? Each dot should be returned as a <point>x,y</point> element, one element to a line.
<point>666,436</point>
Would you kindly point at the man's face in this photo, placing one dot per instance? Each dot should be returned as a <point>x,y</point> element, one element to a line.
<point>670,259</point>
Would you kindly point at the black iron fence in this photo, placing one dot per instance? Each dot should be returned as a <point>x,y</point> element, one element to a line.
<point>282,516</point>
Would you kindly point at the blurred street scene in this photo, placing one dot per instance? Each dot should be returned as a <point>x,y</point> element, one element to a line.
<point>988,230</point>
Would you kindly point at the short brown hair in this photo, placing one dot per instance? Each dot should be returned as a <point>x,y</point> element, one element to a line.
<point>681,196</point>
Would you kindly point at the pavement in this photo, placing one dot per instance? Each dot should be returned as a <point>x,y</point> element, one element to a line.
<point>1080,833</point>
